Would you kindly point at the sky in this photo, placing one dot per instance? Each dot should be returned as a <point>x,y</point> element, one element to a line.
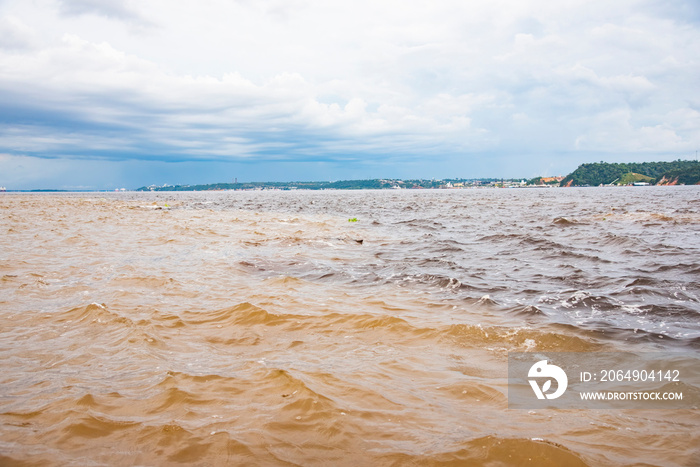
<point>105,94</point>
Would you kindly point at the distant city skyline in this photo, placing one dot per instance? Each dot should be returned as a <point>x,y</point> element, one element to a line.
<point>105,94</point>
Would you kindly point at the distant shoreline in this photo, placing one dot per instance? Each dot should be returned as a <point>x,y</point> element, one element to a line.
<point>162,190</point>
<point>586,175</point>
<point>596,174</point>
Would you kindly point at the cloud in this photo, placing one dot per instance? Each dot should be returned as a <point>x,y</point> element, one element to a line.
<point>99,95</point>
<point>122,10</point>
<point>309,81</point>
<point>15,35</point>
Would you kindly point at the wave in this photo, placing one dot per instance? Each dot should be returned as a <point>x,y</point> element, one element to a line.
<point>565,222</point>
<point>92,313</point>
<point>520,339</point>
<point>241,314</point>
<point>494,450</point>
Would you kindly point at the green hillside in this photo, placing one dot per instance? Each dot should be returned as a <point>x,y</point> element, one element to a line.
<point>631,177</point>
<point>604,173</point>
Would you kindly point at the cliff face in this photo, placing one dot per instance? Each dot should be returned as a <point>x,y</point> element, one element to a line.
<point>666,181</point>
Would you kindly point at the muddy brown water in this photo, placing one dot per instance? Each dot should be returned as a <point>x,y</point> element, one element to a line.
<point>264,328</point>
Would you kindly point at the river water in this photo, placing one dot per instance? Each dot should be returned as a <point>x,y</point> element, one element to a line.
<point>267,328</point>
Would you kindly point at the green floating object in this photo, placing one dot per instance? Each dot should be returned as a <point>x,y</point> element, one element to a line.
<point>354,219</point>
